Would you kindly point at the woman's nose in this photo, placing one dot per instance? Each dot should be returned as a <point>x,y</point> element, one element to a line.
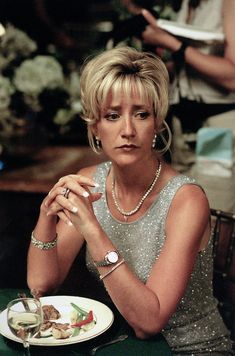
<point>128,128</point>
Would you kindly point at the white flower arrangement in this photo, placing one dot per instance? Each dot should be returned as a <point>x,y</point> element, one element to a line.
<point>6,90</point>
<point>34,84</point>
<point>37,74</point>
<point>15,44</point>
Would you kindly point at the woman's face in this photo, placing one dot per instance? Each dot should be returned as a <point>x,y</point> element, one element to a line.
<point>126,128</point>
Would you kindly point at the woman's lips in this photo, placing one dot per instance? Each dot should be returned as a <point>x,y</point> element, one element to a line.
<point>128,147</point>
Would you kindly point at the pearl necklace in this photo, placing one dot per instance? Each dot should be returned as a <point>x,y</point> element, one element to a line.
<point>138,206</point>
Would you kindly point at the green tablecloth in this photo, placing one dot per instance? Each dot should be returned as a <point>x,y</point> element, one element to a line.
<point>131,346</point>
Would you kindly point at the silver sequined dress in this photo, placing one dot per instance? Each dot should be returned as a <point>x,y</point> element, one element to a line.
<point>196,327</point>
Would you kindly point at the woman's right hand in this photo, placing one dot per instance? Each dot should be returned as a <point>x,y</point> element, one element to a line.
<point>57,204</point>
<point>153,35</point>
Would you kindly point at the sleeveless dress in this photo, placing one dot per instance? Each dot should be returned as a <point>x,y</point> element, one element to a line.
<point>196,327</point>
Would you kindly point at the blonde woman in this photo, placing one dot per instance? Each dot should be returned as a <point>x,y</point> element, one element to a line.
<point>145,227</point>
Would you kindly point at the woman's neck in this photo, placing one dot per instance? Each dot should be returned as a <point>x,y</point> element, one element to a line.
<point>128,194</point>
<point>134,177</point>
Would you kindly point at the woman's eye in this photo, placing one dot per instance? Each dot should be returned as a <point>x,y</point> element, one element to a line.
<point>111,116</point>
<point>142,115</point>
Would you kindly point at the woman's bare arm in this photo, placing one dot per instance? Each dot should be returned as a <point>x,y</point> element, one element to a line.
<point>219,70</point>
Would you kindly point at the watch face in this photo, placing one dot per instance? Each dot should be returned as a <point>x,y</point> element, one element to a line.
<point>112,257</point>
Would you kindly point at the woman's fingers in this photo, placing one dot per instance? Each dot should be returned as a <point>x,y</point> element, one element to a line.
<point>67,194</point>
<point>60,206</point>
<point>74,182</point>
<point>59,203</point>
<point>53,194</point>
<point>58,195</point>
<point>54,209</point>
<point>64,207</point>
<point>82,180</point>
<point>65,191</point>
<point>95,196</point>
<point>61,214</point>
<point>150,18</point>
<point>77,188</point>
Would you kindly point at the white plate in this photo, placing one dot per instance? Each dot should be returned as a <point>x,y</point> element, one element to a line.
<point>103,315</point>
<point>189,31</point>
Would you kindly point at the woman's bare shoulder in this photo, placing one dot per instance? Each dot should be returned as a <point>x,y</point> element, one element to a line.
<point>190,201</point>
<point>189,197</point>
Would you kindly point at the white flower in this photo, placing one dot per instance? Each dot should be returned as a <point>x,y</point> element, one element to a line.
<point>14,44</point>
<point>35,75</point>
<point>35,84</point>
<point>74,84</point>
<point>6,90</point>
<point>76,106</point>
<point>63,116</point>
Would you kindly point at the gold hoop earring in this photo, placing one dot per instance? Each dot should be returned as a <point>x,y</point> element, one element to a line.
<point>154,141</point>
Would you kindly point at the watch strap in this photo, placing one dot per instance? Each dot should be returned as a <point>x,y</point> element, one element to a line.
<point>179,56</point>
<point>102,263</point>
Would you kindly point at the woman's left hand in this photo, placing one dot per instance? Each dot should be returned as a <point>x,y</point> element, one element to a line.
<point>75,208</point>
<point>82,216</point>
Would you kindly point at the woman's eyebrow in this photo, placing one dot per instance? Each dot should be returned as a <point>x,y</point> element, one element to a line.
<point>113,107</point>
<point>135,107</point>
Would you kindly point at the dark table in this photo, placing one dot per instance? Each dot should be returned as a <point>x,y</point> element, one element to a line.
<point>157,345</point>
<point>39,173</point>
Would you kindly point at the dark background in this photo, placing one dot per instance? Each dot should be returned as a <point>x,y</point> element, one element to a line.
<point>68,24</point>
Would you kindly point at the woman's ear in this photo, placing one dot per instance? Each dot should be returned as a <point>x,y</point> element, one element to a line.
<point>94,129</point>
<point>156,125</point>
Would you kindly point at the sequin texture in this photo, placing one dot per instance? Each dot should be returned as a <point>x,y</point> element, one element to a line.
<point>196,327</point>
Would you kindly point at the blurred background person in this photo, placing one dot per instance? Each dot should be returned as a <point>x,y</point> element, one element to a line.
<point>203,88</point>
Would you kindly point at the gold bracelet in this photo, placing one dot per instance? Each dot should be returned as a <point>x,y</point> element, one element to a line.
<point>112,269</point>
<point>43,245</point>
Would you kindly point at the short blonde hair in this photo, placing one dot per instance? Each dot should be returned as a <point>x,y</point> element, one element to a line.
<point>124,69</point>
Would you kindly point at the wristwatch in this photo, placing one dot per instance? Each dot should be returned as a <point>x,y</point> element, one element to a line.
<point>110,258</point>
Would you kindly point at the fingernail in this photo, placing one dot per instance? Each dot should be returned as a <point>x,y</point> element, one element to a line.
<point>70,223</point>
<point>85,194</point>
<point>96,185</point>
<point>74,209</point>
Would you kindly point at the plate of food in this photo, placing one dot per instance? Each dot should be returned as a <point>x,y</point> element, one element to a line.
<point>67,320</point>
<point>189,31</point>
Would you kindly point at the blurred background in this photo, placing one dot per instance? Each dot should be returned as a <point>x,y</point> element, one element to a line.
<point>43,44</point>
<point>41,51</point>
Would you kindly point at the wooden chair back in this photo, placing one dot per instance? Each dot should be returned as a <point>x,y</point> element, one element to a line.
<point>223,232</point>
